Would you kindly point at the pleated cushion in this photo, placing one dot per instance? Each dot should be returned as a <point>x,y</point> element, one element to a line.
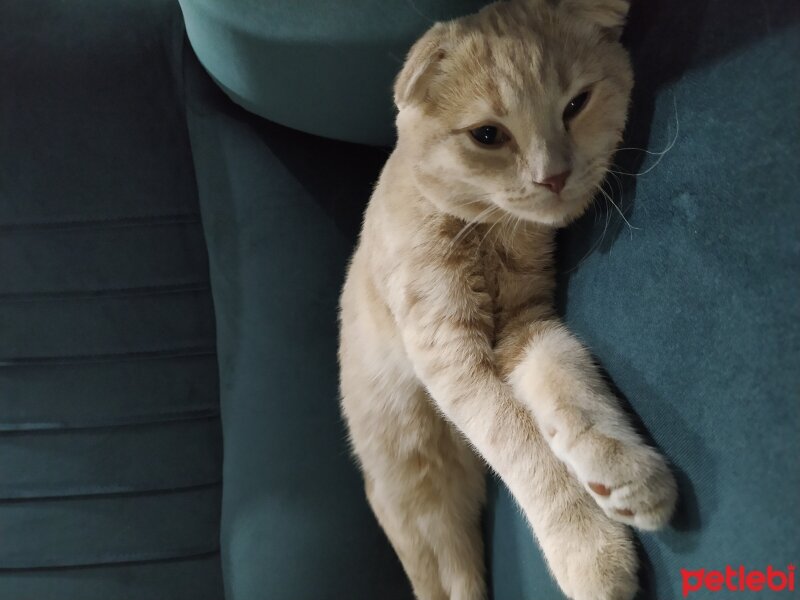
<point>110,443</point>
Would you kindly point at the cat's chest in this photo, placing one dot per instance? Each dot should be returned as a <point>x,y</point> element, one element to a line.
<point>518,276</point>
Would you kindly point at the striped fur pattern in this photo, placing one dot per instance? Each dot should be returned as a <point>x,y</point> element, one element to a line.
<point>451,355</point>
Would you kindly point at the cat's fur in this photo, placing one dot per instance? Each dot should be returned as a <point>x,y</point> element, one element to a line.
<point>451,353</point>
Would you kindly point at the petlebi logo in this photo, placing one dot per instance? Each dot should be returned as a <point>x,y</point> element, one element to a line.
<point>739,579</point>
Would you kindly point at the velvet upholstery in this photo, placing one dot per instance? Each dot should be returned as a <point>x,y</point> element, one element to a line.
<point>280,211</point>
<point>110,440</point>
<point>318,66</point>
<point>167,256</point>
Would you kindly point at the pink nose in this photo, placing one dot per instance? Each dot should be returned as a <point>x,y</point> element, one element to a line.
<point>556,183</point>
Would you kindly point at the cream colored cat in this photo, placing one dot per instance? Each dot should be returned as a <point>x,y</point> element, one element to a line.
<point>451,353</point>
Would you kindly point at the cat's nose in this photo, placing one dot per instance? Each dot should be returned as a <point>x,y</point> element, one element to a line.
<point>556,183</point>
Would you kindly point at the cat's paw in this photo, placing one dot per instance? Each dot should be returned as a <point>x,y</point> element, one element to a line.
<point>630,480</point>
<point>593,558</point>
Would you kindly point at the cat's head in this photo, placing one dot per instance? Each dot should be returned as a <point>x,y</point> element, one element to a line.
<point>516,109</point>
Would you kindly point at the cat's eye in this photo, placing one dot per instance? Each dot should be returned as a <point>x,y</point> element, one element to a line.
<point>575,106</point>
<point>489,136</point>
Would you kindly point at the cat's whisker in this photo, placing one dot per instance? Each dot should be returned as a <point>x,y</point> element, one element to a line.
<point>461,234</point>
<point>513,220</point>
<point>620,187</point>
<point>500,220</point>
<point>474,201</point>
<point>510,228</point>
<point>596,217</point>
<point>605,227</point>
<point>416,9</point>
<point>599,241</point>
<point>514,230</point>
<point>660,154</point>
<point>651,152</point>
<point>610,192</point>
<point>471,225</point>
<point>616,206</point>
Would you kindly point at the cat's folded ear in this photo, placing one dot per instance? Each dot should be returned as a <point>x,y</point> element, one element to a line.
<point>608,15</point>
<point>421,65</point>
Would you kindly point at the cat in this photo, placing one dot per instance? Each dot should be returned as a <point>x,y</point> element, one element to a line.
<point>451,354</point>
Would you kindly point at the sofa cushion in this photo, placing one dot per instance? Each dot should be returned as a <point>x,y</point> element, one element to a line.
<point>317,66</point>
<point>110,446</point>
<point>281,210</point>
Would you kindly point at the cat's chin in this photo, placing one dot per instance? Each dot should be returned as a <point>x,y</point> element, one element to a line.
<point>556,214</point>
<point>553,211</point>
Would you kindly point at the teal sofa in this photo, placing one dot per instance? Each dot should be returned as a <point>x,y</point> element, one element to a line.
<point>180,189</point>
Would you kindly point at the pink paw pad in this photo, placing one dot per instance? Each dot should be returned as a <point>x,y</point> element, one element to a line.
<point>599,489</point>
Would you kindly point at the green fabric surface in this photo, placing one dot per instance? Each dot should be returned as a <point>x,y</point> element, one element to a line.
<point>110,440</point>
<point>67,462</point>
<point>88,530</point>
<point>163,580</point>
<point>281,210</point>
<point>163,386</point>
<point>165,248</point>
<point>318,66</point>
<point>60,328</point>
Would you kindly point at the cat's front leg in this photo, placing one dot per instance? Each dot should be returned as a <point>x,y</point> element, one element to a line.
<point>450,346</point>
<point>587,428</point>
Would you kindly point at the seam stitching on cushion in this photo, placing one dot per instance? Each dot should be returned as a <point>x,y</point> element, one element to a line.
<point>156,491</point>
<point>152,488</point>
<point>165,219</point>
<point>55,427</point>
<point>33,361</point>
<point>146,290</point>
<point>125,559</point>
